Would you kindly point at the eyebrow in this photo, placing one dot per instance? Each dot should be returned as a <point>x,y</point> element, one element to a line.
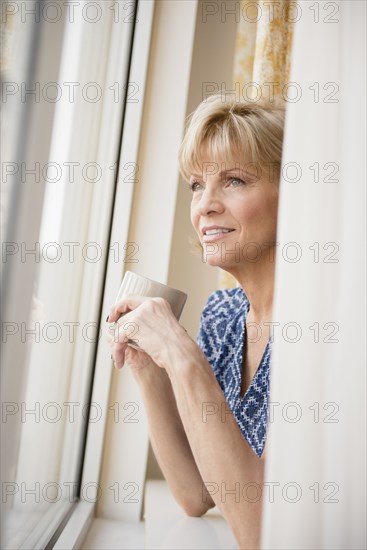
<point>224,172</point>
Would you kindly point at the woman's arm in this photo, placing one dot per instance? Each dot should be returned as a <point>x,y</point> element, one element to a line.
<point>169,440</point>
<point>166,431</point>
<point>230,471</point>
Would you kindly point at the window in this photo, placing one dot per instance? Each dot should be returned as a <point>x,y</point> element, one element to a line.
<point>64,86</point>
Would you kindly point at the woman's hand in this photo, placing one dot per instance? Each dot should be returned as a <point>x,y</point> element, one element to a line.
<point>137,360</point>
<point>148,322</point>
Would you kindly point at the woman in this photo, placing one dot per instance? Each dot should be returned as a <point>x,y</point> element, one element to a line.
<point>207,402</point>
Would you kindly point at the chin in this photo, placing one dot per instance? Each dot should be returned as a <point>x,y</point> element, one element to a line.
<point>216,258</point>
<point>217,261</point>
<point>209,258</point>
<point>214,263</point>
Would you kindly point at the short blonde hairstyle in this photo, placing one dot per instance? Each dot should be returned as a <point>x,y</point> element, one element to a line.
<point>230,130</point>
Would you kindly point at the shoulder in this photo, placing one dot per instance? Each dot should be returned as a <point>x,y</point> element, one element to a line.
<point>225,303</point>
<point>221,326</point>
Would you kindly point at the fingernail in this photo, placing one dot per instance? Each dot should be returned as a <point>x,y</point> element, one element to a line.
<point>107,318</point>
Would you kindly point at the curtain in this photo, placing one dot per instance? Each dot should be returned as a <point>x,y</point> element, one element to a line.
<point>315,489</point>
<point>262,59</point>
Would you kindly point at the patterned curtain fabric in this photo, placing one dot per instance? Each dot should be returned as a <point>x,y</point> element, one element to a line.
<point>262,59</point>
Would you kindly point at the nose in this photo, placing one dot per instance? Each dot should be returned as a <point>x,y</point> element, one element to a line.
<point>209,202</point>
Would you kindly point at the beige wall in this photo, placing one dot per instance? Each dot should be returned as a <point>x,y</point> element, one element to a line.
<point>212,61</point>
<point>152,220</point>
<point>185,52</point>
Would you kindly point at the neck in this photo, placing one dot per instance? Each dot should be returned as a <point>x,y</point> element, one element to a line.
<point>257,281</point>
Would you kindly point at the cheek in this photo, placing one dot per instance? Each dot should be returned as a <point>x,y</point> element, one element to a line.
<point>272,208</point>
<point>268,216</point>
<point>259,211</point>
<point>193,216</point>
<point>247,212</point>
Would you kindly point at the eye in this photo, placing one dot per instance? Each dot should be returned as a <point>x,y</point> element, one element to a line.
<point>195,186</point>
<point>236,182</point>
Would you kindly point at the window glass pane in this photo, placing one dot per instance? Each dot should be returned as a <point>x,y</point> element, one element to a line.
<point>46,391</point>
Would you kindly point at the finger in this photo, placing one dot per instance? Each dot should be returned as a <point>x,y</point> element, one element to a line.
<point>118,356</point>
<point>129,303</point>
<point>113,335</point>
<point>124,331</point>
<point>109,338</point>
<point>115,338</point>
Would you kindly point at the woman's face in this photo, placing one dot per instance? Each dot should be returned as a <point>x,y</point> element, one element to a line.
<point>234,212</point>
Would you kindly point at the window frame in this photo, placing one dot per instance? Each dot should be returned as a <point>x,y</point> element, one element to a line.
<point>72,518</point>
<point>83,512</point>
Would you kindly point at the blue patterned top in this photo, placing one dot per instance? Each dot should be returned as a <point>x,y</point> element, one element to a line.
<point>221,338</point>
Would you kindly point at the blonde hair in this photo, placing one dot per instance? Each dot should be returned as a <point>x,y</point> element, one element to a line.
<point>233,131</point>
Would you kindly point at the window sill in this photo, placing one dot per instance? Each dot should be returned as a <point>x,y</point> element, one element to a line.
<point>168,527</point>
<point>165,527</point>
<point>114,535</point>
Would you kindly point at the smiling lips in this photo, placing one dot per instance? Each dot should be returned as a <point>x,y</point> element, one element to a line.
<point>214,232</point>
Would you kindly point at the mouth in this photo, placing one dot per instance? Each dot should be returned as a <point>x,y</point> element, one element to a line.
<point>211,234</point>
<point>215,229</point>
